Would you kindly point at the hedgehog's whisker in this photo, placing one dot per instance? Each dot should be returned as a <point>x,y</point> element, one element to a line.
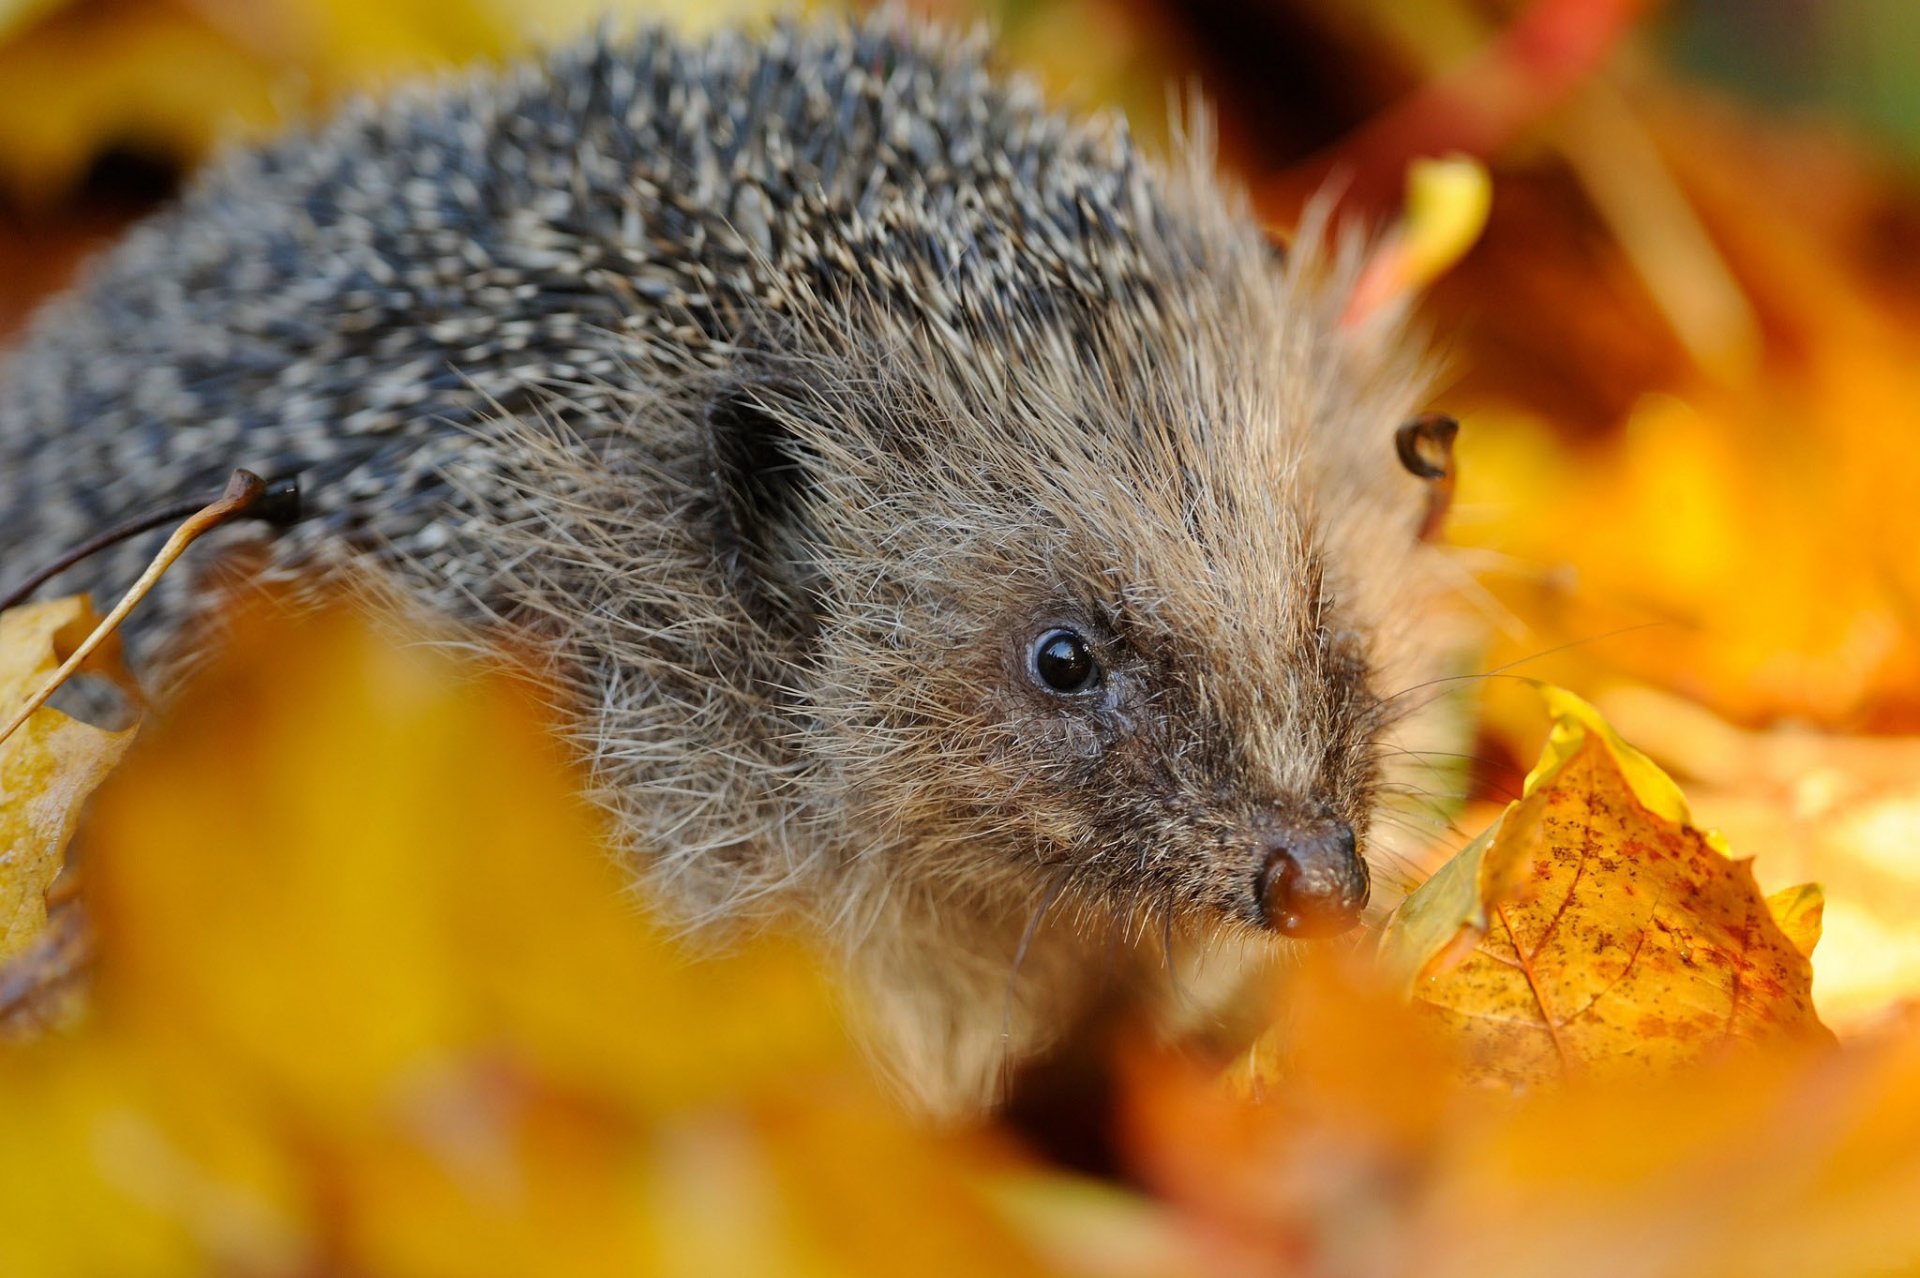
<point>1052,895</point>
<point>1166,950</point>
<point>1502,671</point>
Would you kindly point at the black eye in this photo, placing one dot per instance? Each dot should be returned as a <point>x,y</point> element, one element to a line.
<point>1063,663</point>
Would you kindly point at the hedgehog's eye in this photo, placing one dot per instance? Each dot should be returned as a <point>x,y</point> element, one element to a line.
<point>1063,663</point>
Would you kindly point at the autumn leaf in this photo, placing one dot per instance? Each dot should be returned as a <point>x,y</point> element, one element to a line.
<point>371,997</point>
<point>174,78</point>
<point>1446,209</point>
<point>1595,931</point>
<point>1311,1164</point>
<point>1736,533</point>
<point>49,766</point>
<point>1364,1152</point>
<point>366,1007</point>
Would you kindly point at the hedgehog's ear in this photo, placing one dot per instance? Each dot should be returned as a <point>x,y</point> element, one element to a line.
<point>762,480</point>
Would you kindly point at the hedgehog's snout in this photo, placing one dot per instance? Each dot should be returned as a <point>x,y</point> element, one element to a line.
<point>1312,880</point>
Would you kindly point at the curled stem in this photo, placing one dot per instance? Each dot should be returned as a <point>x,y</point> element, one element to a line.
<point>245,490</point>
<point>1425,448</point>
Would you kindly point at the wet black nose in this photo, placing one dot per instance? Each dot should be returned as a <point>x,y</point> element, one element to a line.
<point>1312,880</point>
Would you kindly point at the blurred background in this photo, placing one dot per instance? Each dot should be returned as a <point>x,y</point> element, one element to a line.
<point>1686,348</point>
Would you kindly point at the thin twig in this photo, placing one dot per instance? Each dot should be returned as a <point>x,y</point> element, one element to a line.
<point>244,490</point>
<point>278,505</point>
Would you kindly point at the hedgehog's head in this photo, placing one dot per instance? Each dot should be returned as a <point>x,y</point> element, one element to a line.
<point>1105,601</point>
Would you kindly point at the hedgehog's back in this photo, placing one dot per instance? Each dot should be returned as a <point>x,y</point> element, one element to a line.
<point>354,305</point>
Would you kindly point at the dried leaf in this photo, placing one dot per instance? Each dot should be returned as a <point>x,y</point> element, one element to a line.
<point>48,767</point>
<point>1761,520</point>
<point>1841,809</point>
<point>1433,925</point>
<point>1304,1157</point>
<point>1798,911</point>
<point>1447,205</point>
<point>86,76</point>
<point>177,78</point>
<point>1363,1154</point>
<point>371,998</point>
<point>1607,935</point>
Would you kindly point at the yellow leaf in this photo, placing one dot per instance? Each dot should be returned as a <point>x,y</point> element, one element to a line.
<point>48,767</point>
<point>349,815</point>
<point>373,998</point>
<point>1447,913</point>
<point>1842,809</point>
<point>1744,546</point>
<point>1364,1154</point>
<point>1605,934</point>
<point>1798,911</point>
<point>176,79</point>
<point>151,75</point>
<point>1446,209</point>
<point>1447,205</point>
<point>1574,721</point>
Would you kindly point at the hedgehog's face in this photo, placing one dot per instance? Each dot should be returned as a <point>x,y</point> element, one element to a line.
<point>1105,610</point>
<point>1139,758</point>
<point>1159,745</point>
<point>1118,709</point>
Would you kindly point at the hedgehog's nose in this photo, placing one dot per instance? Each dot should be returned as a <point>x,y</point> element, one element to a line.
<point>1312,881</point>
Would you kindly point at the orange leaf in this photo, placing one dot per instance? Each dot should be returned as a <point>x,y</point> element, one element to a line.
<point>1606,934</point>
<point>371,998</point>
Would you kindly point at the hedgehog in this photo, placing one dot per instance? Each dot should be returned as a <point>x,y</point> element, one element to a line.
<point>949,529</point>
